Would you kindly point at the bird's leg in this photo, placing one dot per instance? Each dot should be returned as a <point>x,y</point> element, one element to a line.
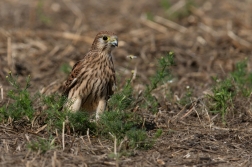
<point>75,104</point>
<point>100,109</point>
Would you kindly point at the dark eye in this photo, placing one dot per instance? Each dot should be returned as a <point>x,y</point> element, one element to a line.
<point>105,38</point>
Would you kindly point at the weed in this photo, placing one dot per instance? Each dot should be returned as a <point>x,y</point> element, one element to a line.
<point>162,73</point>
<point>78,121</point>
<point>121,122</point>
<point>122,100</point>
<point>187,97</point>
<point>54,117</point>
<point>22,101</point>
<point>118,123</point>
<point>138,138</point>
<point>225,91</point>
<point>223,94</point>
<point>242,78</point>
<point>42,145</point>
<point>158,133</point>
<point>22,105</point>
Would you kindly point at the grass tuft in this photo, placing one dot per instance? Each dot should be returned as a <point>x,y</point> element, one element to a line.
<point>42,145</point>
<point>223,94</point>
<point>78,121</point>
<point>21,101</point>
<point>226,91</point>
<point>121,122</point>
<point>242,78</point>
<point>163,74</point>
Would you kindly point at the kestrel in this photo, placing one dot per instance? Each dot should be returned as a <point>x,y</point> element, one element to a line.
<point>92,79</point>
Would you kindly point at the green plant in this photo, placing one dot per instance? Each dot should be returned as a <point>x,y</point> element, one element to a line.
<point>138,138</point>
<point>163,74</point>
<point>21,101</point>
<point>121,122</point>
<point>187,96</point>
<point>80,122</point>
<point>23,106</point>
<point>223,94</point>
<point>227,90</point>
<point>42,145</point>
<point>56,115</point>
<point>117,122</point>
<point>52,114</point>
<point>123,99</point>
<point>242,78</point>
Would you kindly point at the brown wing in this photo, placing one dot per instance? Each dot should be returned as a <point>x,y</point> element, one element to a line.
<point>72,78</point>
<point>111,86</point>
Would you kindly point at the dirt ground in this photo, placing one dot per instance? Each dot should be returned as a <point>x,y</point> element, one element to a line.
<point>37,37</point>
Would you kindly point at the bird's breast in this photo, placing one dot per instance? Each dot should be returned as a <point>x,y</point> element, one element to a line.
<point>95,81</point>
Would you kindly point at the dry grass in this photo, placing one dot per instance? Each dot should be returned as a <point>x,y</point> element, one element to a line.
<point>38,37</point>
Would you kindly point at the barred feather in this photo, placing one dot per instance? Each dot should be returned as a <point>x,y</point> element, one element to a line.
<point>90,83</point>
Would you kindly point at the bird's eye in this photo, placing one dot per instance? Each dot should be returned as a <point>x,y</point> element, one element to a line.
<point>105,38</point>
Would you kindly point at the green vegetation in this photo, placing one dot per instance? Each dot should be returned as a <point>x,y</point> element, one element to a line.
<point>55,115</point>
<point>42,145</point>
<point>163,74</point>
<point>242,78</point>
<point>222,97</point>
<point>120,121</point>
<point>23,106</point>
<point>186,99</point>
<point>123,124</point>
<point>21,101</point>
<point>239,83</point>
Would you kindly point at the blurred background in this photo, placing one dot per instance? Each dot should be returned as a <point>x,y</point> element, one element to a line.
<point>44,38</point>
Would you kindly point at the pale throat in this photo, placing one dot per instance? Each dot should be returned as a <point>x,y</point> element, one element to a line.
<point>106,54</point>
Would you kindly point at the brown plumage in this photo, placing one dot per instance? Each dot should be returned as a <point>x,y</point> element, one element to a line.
<point>90,84</point>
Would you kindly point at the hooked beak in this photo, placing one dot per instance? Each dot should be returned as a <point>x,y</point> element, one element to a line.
<point>114,42</point>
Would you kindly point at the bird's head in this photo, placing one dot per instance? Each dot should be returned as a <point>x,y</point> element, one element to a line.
<point>105,41</point>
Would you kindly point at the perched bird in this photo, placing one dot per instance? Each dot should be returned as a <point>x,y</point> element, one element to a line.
<point>92,79</point>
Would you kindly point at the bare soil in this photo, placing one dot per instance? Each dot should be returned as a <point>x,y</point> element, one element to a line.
<point>37,37</point>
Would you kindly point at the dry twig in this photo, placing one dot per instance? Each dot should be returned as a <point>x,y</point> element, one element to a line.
<point>170,24</point>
